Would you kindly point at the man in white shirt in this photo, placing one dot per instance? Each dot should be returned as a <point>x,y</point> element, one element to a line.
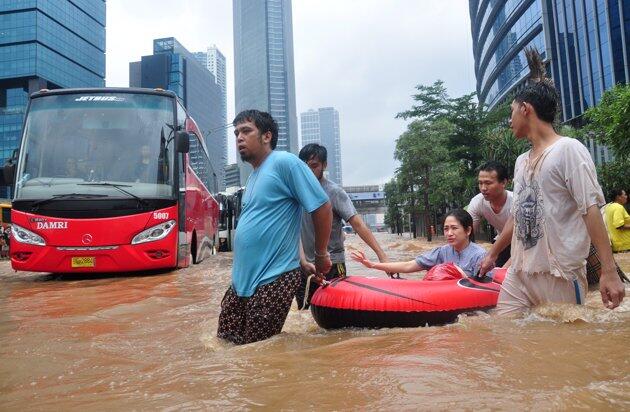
<point>555,210</point>
<point>494,203</point>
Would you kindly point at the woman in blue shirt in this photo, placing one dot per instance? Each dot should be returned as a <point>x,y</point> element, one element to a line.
<point>460,250</point>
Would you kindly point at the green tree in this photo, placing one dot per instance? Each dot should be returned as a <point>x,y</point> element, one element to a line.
<point>609,124</point>
<point>394,217</point>
<point>464,113</point>
<point>442,148</point>
<point>421,151</point>
<point>499,144</point>
<point>433,103</point>
<point>609,121</point>
<point>469,121</point>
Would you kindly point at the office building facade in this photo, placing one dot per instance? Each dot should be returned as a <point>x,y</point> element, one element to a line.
<point>172,67</point>
<point>321,126</point>
<point>586,44</point>
<point>232,177</point>
<point>46,45</point>
<point>263,66</point>
<point>213,60</point>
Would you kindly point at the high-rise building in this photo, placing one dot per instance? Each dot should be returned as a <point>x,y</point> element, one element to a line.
<point>585,43</point>
<point>263,66</point>
<point>501,31</point>
<point>213,60</point>
<point>321,126</point>
<point>172,67</point>
<point>46,45</point>
<point>232,178</point>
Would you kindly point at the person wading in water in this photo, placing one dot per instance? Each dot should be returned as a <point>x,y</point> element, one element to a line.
<point>556,210</point>
<point>266,271</point>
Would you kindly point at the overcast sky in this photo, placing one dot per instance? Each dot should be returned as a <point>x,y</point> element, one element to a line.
<point>362,57</point>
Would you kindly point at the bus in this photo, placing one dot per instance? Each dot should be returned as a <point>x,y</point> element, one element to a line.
<point>110,180</point>
<point>230,206</point>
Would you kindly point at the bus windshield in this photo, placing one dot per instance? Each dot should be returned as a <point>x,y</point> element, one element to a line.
<point>96,143</point>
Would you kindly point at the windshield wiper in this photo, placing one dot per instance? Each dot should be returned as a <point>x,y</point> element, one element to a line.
<point>119,188</point>
<point>62,196</point>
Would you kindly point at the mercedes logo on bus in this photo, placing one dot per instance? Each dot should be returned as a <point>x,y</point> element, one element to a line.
<point>87,239</point>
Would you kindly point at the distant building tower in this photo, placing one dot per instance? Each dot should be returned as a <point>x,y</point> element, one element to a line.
<point>172,67</point>
<point>232,177</point>
<point>585,43</point>
<point>213,60</point>
<point>263,66</point>
<point>322,126</point>
<point>45,45</point>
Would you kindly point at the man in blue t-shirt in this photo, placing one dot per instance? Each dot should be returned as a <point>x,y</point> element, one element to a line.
<point>266,270</point>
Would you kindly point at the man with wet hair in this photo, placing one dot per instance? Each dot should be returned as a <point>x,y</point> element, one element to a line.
<point>266,269</point>
<point>316,158</point>
<point>555,210</point>
<point>493,203</point>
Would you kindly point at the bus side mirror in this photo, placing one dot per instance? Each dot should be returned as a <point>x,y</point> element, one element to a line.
<point>8,171</point>
<point>182,142</point>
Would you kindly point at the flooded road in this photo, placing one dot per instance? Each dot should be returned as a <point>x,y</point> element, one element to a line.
<point>148,343</point>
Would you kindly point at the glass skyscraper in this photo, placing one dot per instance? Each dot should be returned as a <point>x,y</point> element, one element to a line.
<point>590,42</point>
<point>172,67</point>
<point>501,30</point>
<point>321,126</point>
<point>213,60</point>
<point>263,66</point>
<point>586,44</point>
<point>46,45</point>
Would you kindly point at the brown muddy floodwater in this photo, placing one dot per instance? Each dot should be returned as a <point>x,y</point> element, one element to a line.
<point>148,343</point>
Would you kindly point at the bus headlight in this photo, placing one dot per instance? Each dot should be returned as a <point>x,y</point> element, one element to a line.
<point>22,235</point>
<point>153,233</point>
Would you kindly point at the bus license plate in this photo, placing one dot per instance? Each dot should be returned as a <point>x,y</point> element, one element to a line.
<point>83,262</point>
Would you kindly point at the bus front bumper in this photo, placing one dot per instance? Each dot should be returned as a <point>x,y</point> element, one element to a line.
<point>120,258</point>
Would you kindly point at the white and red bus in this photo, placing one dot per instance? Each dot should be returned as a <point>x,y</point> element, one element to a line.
<point>110,180</point>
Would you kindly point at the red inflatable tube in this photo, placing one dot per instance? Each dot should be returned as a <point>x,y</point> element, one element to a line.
<point>364,302</point>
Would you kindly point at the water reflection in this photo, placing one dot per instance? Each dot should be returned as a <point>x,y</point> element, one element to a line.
<point>71,295</point>
<point>148,342</point>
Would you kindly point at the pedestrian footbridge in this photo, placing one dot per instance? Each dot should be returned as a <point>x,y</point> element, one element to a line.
<point>367,199</point>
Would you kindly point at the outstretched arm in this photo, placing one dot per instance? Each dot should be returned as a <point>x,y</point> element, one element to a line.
<point>390,267</point>
<point>610,285</point>
<point>367,236</point>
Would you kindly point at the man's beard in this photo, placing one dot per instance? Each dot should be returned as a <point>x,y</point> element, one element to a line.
<point>248,157</point>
